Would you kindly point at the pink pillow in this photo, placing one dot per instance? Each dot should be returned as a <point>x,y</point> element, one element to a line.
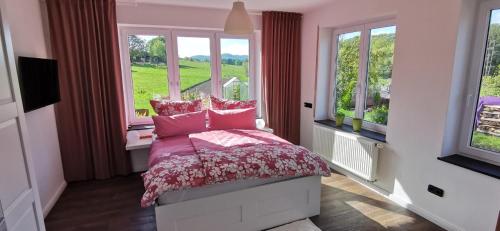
<point>231,119</point>
<point>182,124</point>
<point>169,107</point>
<point>224,104</point>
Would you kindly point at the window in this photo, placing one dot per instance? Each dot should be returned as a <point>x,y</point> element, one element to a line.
<point>347,72</point>
<point>184,65</point>
<point>362,72</point>
<point>481,130</point>
<point>148,68</point>
<point>235,68</point>
<point>194,68</point>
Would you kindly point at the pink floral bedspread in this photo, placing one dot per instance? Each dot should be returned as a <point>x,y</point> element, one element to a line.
<point>162,148</point>
<point>229,155</point>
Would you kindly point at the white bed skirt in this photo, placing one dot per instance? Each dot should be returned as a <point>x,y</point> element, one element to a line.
<point>256,208</point>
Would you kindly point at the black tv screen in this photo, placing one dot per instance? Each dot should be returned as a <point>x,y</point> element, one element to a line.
<point>39,82</point>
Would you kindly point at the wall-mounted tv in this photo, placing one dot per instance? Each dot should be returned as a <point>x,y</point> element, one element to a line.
<point>39,82</point>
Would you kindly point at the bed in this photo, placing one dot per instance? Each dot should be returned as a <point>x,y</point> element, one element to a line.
<point>231,180</point>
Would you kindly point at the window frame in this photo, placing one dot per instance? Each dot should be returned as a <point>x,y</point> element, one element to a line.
<point>361,84</point>
<point>213,57</point>
<point>474,84</point>
<point>252,81</point>
<point>128,86</point>
<point>171,34</point>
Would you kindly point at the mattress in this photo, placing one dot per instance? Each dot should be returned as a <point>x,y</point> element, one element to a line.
<point>173,197</point>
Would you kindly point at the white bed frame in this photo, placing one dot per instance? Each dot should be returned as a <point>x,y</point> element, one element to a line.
<point>256,208</point>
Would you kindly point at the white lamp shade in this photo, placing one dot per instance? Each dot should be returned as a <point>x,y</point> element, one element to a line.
<point>238,22</point>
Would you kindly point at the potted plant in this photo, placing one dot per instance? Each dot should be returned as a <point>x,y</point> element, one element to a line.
<point>339,119</point>
<point>356,124</point>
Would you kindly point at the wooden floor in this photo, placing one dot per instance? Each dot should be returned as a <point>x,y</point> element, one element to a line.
<point>114,205</point>
<point>348,205</point>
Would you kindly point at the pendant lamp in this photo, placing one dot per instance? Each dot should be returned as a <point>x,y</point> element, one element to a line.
<point>238,22</point>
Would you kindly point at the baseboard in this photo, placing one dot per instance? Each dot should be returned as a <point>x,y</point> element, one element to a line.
<point>400,201</point>
<point>54,198</point>
<point>424,213</point>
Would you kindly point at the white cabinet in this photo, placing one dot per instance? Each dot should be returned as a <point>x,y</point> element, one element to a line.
<point>18,190</point>
<point>139,149</point>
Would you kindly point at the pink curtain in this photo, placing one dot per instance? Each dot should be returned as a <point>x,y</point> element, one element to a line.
<point>281,38</point>
<point>91,116</point>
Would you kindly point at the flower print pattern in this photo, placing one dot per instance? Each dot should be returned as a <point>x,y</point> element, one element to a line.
<point>169,107</point>
<point>211,165</point>
<point>224,104</point>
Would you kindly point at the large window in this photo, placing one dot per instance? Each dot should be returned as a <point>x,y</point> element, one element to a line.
<point>347,72</point>
<point>362,72</point>
<point>235,68</point>
<point>481,131</point>
<point>148,68</point>
<point>184,65</point>
<point>194,68</point>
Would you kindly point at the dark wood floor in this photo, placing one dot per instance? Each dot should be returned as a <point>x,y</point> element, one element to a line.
<point>114,205</point>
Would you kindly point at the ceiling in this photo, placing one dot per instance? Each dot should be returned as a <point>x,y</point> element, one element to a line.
<point>251,5</point>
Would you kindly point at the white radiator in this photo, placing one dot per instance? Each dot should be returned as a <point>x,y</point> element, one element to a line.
<point>349,151</point>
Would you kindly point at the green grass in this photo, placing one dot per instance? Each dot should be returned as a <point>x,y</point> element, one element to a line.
<point>350,113</point>
<point>484,141</point>
<point>229,71</point>
<point>369,116</point>
<point>193,73</point>
<point>150,80</point>
<point>347,113</point>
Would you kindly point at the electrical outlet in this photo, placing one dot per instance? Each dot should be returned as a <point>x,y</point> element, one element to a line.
<point>435,190</point>
<point>308,105</point>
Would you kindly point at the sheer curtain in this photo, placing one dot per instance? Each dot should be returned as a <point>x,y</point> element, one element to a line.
<point>91,114</point>
<point>281,38</point>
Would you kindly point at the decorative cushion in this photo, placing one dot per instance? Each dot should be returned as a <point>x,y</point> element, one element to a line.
<point>231,119</point>
<point>182,124</point>
<point>224,104</point>
<point>170,107</point>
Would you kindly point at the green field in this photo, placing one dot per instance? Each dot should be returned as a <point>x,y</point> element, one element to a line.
<point>368,116</point>
<point>150,80</point>
<point>486,142</point>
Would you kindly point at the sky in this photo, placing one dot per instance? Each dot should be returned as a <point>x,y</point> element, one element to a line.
<point>495,16</point>
<point>384,30</point>
<point>235,46</point>
<point>191,46</point>
<point>377,31</point>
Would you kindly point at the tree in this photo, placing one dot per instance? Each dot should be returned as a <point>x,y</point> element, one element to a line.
<point>137,48</point>
<point>494,39</point>
<point>379,72</point>
<point>347,71</point>
<point>490,86</point>
<point>156,49</point>
<point>380,65</point>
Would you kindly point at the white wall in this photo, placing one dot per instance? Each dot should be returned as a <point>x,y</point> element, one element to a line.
<point>177,16</point>
<point>29,39</point>
<point>424,73</point>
